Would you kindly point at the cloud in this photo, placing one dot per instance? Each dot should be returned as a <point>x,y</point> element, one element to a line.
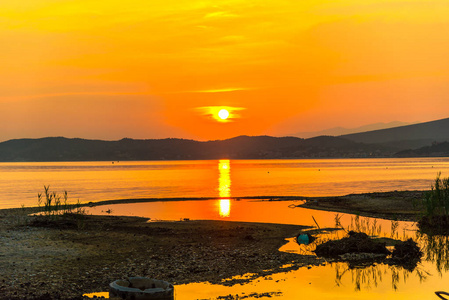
<point>220,14</point>
<point>213,91</point>
<point>223,90</point>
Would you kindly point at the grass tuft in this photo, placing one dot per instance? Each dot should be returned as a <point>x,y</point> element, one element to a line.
<point>56,206</point>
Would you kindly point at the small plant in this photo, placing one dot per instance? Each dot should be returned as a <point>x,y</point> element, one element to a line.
<point>57,206</point>
<point>51,203</point>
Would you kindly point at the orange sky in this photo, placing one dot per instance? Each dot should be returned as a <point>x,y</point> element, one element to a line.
<point>141,69</point>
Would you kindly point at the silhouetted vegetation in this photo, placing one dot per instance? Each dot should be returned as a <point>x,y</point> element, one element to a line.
<point>435,219</point>
<point>57,211</point>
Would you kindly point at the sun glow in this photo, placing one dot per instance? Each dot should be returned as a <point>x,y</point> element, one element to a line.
<point>221,113</point>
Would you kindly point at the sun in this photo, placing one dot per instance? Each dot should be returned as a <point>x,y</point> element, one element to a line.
<point>223,114</point>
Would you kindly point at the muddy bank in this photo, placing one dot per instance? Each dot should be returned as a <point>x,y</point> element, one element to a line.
<point>62,259</point>
<point>399,205</point>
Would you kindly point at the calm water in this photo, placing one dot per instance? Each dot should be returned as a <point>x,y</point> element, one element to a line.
<point>94,181</point>
<point>329,281</point>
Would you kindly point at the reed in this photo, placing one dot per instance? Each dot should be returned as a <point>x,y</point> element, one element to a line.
<point>436,250</point>
<point>56,205</point>
<point>435,208</point>
<point>367,277</point>
<point>436,201</point>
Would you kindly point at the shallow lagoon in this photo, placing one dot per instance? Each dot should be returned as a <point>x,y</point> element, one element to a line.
<point>329,281</point>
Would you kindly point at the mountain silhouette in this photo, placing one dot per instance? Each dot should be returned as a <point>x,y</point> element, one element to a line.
<point>410,136</point>
<point>424,139</point>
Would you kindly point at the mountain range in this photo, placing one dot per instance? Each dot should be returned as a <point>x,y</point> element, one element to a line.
<point>405,137</point>
<point>337,131</point>
<point>423,139</point>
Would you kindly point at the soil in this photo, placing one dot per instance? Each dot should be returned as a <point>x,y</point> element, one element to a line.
<point>67,257</point>
<point>398,205</point>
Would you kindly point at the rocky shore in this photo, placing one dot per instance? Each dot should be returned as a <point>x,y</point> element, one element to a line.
<point>67,257</point>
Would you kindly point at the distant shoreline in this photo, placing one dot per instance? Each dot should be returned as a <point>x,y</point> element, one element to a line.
<point>241,147</point>
<point>34,209</point>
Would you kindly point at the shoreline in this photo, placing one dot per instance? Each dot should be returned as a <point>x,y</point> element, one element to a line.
<point>64,258</point>
<point>55,259</point>
<point>395,205</point>
<point>387,205</point>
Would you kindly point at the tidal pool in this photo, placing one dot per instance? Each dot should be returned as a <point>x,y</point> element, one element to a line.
<point>328,281</point>
<point>280,212</point>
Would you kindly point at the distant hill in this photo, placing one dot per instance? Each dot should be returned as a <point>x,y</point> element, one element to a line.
<point>242,147</point>
<point>338,131</point>
<point>424,139</point>
<point>435,150</point>
<point>403,137</point>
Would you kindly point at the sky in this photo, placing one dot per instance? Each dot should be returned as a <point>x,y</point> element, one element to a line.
<point>111,69</point>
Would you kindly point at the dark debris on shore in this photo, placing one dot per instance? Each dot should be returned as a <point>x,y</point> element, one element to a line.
<point>359,247</point>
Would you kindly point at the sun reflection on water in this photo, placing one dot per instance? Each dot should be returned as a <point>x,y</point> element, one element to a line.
<point>225,208</point>
<point>224,187</point>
